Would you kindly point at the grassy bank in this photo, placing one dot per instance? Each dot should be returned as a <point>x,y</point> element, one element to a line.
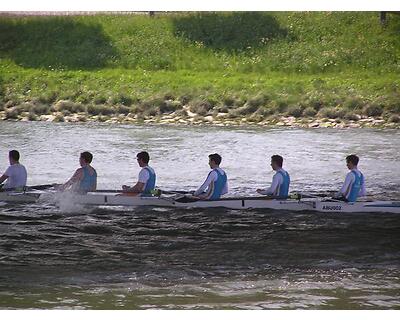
<point>260,66</point>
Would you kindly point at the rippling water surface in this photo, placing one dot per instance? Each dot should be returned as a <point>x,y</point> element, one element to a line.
<point>215,258</point>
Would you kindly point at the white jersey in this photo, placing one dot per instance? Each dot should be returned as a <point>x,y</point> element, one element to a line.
<point>212,176</point>
<point>144,175</point>
<point>348,183</point>
<point>277,181</point>
<point>17,176</point>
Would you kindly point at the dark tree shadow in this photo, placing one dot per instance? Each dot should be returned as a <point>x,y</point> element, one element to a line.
<point>229,31</point>
<point>55,42</point>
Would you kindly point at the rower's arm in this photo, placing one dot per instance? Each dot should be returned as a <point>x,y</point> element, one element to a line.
<point>347,183</point>
<point>137,188</point>
<point>210,178</point>
<point>276,180</point>
<point>78,175</point>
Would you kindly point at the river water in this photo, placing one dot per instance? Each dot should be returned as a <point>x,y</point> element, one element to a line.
<point>187,259</point>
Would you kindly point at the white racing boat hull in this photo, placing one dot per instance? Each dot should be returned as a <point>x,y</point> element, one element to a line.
<point>319,205</point>
<point>19,197</point>
<point>242,203</point>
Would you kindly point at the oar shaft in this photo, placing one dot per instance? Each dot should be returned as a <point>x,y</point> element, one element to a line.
<point>27,188</point>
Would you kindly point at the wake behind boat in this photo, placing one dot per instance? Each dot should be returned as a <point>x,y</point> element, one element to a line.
<point>238,203</point>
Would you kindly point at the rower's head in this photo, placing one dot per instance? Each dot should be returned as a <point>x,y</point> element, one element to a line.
<point>85,158</point>
<point>13,156</point>
<point>214,160</point>
<point>143,158</point>
<point>352,161</point>
<point>276,162</point>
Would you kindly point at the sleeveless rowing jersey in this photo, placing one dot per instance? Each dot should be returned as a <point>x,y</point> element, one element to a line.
<point>88,182</point>
<point>218,185</point>
<point>283,188</point>
<point>150,182</point>
<point>355,188</point>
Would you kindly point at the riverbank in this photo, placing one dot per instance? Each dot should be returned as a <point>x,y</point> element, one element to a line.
<point>271,69</point>
<point>219,119</point>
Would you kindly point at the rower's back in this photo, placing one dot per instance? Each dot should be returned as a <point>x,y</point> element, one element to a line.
<point>89,179</point>
<point>150,178</point>
<point>218,185</point>
<point>17,176</point>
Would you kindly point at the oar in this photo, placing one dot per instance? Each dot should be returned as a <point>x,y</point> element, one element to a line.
<point>125,191</point>
<point>26,188</point>
<point>175,191</point>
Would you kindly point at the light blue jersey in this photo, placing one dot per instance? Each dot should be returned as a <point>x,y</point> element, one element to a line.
<point>88,182</point>
<point>219,185</point>
<point>283,189</point>
<point>151,182</point>
<point>355,187</point>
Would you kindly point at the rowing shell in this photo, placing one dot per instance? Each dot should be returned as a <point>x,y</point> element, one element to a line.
<point>19,197</point>
<point>242,203</point>
<point>319,205</point>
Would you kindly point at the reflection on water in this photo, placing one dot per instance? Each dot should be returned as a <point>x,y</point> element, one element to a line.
<point>176,258</point>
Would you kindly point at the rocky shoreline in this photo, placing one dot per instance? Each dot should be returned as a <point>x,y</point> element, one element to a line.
<point>220,119</point>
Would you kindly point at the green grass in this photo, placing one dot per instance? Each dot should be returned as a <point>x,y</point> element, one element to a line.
<point>299,63</point>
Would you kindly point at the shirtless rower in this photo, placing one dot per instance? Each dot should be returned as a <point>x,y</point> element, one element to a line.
<point>147,177</point>
<point>280,181</point>
<point>354,184</point>
<point>84,178</point>
<point>216,183</point>
<point>15,174</point>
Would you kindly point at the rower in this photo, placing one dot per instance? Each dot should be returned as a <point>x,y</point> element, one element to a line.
<point>216,183</point>
<point>147,177</point>
<point>280,181</point>
<point>85,178</point>
<point>15,174</point>
<point>354,184</point>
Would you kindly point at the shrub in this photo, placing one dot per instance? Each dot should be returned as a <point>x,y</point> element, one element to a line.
<point>11,113</point>
<point>100,100</point>
<point>121,99</point>
<point>331,113</point>
<point>309,112</point>
<point>245,110</point>
<point>394,118</point>
<point>151,111</point>
<point>181,113</point>
<point>10,104</point>
<point>169,96</point>
<point>257,101</point>
<point>353,103</point>
<point>32,116</point>
<point>373,110</point>
<point>59,118</point>
<point>295,111</point>
<point>228,101</point>
<point>25,107</point>
<point>121,109</point>
<point>265,111</point>
<point>47,98</point>
<point>222,108</point>
<point>69,105</point>
<point>256,117</point>
<point>201,107</point>
<point>170,106</point>
<point>185,99</point>
<point>100,109</point>
<point>40,109</point>
<point>351,116</point>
